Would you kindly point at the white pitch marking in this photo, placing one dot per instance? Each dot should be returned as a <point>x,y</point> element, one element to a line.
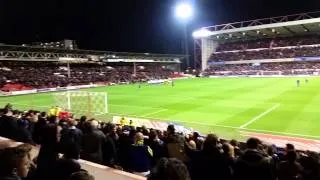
<point>155,112</point>
<point>224,126</point>
<point>259,116</point>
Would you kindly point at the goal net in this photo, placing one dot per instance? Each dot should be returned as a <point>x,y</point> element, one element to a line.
<point>83,102</point>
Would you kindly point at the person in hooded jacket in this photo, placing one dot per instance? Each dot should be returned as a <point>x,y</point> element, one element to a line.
<point>253,164</point>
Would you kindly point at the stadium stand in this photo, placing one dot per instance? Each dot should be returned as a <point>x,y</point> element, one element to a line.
<point>26,75</point>
<point>190,156</point>
<point>268,49</point>
<point>278,68</point>
<point>268,42</point>
<point>270,54</point>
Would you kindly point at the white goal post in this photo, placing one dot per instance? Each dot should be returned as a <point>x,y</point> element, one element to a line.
<point>83,102</point>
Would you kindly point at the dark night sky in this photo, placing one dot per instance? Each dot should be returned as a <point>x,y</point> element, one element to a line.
<point>127,25</point>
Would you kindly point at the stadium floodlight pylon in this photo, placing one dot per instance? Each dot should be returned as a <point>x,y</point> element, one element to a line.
<point>83,102</point>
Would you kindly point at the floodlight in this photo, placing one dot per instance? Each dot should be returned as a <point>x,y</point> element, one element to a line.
<point>202,33</point>
<point>183,11</point>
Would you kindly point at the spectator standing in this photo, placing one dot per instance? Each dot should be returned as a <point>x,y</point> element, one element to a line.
<point>140,156</point>
<point>228,154</point>
<point>253,164</point>
<point>273,158</point>
<point>111,132</point>
<point>175,145</point>
<point>310,163</point>
<point>156,145</point>
<point>237,151</point>
<point>110,154</point>
<point>48,154</point>
<point>32,117</point>
<point>38,127</point>
<point>209,163</point>
<point>68,164</point>
<point>289,147</point>
<point>23,133</point>
<point>8,124</point>
<point>196,138</point>
<point>80,125</point>
<point>126,139</point>
<point>70,136</point>
<point>290,169</point>
<point>93,142</point>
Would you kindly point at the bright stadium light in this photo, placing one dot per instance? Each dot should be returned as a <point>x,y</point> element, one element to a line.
<point>202,33</point>
<point>183,11</point>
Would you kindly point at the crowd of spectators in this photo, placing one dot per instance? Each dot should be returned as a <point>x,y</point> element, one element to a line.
<point>50,74</point>
<point>278,68</point>
<point>285,47</point>
<point>269,43</point>
<point>267,54</point>
<point>159,155</point>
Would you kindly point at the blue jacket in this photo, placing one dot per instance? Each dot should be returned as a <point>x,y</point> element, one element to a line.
<point>140,158</point>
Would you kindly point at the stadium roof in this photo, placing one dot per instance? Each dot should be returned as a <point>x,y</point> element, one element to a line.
<point>282,26</point>
<point>26,53</point>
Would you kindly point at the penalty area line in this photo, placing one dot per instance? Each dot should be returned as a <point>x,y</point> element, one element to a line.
<point>259,116</point>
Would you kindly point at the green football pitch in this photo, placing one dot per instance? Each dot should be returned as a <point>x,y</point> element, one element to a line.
<point>225,106</point>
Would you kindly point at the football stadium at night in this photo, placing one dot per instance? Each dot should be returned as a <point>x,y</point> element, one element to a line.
<point>246,90</point>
